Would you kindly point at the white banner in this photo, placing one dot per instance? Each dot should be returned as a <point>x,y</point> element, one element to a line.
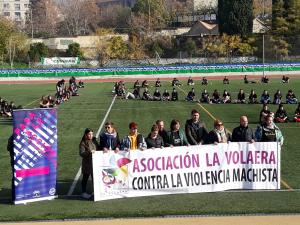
<point>60,61</point>
<point>193,169</point>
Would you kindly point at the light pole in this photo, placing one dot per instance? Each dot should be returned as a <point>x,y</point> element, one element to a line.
<point>263,40</point>
<point>31,22</point>
<point>149,16</point>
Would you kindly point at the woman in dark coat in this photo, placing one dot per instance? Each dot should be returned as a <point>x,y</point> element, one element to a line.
<point>154,140</point>
<point>88,145</point>
<point>109,139</point>
<point>176,136</point>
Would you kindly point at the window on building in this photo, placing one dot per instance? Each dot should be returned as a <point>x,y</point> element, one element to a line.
<point>25,6</point>
<point>17,7</point>
<point>17,16</point>
<point>6,14</point>
<point>6,5</point>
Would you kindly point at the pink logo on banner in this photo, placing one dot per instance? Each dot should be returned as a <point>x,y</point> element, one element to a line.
<point>33,172</point>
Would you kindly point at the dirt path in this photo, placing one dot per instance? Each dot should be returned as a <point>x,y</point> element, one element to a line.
<point>209,220</point>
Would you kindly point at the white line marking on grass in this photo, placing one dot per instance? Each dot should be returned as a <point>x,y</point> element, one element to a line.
<point>71,190</point>
<point>31,102</point>
<point>106,115</point>
<point>202,107</point>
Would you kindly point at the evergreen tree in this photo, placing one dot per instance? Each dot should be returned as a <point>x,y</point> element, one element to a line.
<point>235,16</point>
<point>74,50</point>
<point>286,26</point>
<point>37,51</point>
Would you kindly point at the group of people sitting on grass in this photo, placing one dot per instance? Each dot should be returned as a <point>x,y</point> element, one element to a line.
<point>6,107</point>
<point>217,98</point>
<point>280,115</point>
<point>63,93</point>
<point>264,79</point>
<point>120,90</point>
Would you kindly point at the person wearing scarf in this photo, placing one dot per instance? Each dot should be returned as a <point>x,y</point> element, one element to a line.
<point>219,134</point>
<point>109,138</point>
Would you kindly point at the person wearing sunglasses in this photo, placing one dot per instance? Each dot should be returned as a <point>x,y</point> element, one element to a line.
<point>219,134</point>
<point>109,138</point>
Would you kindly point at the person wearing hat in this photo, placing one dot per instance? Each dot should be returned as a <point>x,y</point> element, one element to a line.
<point>134,140</point>
<point>219,134</point>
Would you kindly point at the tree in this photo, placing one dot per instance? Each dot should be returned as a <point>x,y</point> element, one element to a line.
<point>285,27</point>
<point>13,42</point>
<point>117,48</point>
<point>228,46</point>
<point>6,27</point>
<point>235,16</point>
<point>159,46</point>
<point>74,50</point>
<point>262,8</point>
<point>110,46</point>
<point>115,16</point>
<point>152,13</point>
<point>79,16</point>
<point>17,44</point>
<point>44,18</point>
<point>37,51</point>
<point>190,47</point>
<point>136,46</point>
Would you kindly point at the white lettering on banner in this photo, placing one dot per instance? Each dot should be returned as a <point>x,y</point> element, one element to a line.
<point>193,169</point>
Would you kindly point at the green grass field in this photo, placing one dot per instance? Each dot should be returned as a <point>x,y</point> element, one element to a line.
<point>89,109</point>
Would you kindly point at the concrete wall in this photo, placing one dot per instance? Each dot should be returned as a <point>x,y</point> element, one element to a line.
<point>62,43</point>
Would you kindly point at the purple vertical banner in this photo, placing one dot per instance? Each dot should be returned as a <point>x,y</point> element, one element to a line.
<point>35,154</point>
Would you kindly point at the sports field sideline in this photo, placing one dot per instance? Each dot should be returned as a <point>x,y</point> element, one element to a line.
<point>74,117</point>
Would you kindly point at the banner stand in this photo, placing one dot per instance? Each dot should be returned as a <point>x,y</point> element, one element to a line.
<point>35,155</point>
<point>24,202</point>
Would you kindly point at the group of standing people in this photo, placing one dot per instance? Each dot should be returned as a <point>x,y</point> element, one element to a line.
<point>194,133</point>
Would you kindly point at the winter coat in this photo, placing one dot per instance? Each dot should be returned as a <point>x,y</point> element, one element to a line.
<point>85,151</point>
<point>243,134</point>
<point>194,135</point>
<point>182,137</point>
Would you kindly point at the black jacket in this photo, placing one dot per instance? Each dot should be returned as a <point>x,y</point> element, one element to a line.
<point>242,134</point>
<point>194,136</point>
<point>154,143</point>
<point>212,137</point>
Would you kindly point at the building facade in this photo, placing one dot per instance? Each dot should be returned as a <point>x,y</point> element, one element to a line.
<point>14,10</point>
